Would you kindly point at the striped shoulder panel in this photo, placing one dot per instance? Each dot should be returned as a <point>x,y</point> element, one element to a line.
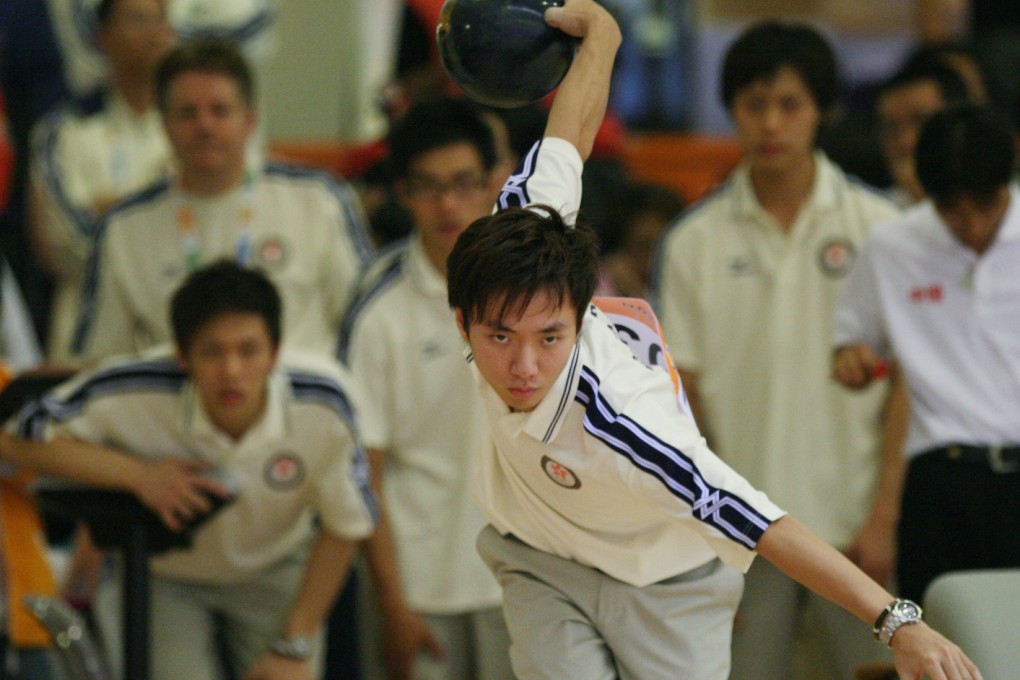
<point>379,275</point>
<point>45,139</point>
<point>729,514</point>
<point>90,289</point>
<point>327,392</point>
<point>515,191</point>
<point>252,27</point>
<point>356,220</point>
<point>163,375</point>
<point>146,194</point>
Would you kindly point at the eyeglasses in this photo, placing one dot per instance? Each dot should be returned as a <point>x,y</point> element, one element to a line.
<point>427,189</point>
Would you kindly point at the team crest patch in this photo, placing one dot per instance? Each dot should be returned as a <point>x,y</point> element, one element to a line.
<point>272,252</point>
<point>836,256</point>
<point>560,474</point>
<point>284,471</point>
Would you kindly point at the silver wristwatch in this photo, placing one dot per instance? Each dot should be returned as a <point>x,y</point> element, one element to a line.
<point>295,647</point>
<point>898,613</point>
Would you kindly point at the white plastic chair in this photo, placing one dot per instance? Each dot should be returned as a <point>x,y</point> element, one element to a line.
<point>980,611</point>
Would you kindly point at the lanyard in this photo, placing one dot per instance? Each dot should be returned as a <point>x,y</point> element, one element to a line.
<point>191,247</point>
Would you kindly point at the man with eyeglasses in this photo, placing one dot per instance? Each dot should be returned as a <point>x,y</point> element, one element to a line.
<point>423,428</point>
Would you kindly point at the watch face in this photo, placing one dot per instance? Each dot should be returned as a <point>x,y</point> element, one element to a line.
<point>907,610</point>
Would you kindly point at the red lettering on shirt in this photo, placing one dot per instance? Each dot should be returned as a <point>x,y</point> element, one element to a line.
<point>930,293</point>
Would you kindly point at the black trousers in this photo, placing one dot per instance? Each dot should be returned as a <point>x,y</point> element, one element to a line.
<point>955,515</point>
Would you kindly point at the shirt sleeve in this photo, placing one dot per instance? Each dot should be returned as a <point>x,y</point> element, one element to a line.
<point>64,221</point>
<point>550,174</point>
<point>676,300</point>
<point>369,359</point>
<point>349,248</point>
<point>858,317</point>
<point>666,463</point>
<point>343,495</point>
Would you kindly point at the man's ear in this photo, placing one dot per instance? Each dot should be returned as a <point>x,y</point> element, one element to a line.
<point>460,324</point>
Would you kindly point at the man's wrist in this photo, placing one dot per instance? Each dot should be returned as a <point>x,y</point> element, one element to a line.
<point>897,614</point>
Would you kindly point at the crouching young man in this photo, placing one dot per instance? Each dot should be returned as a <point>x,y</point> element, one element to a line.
<point>616,534</point>
<point>281,428</point>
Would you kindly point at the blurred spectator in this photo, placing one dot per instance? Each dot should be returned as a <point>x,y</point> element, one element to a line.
<point>439,603</point>
<point>248,23</point>
<point>992,27</point>
<point>746,287</point>
<point>634,226</point>
<point>904,103</point>
<point>961,58</point>
<point>936,290</point>
<point>84,163</point>
<point>305,229</point>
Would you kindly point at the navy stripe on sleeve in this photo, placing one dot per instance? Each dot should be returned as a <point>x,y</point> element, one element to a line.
<point>330,394</point>
<point>731,515</point>
<point>163,375</point>
<point>515,191</point>
<point>372,284</point>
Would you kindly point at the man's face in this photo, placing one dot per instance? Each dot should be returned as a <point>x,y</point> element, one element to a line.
<point>776,122</point>
<point>973,221</point>
<point>446,190</point>
<point>208,122</point>
<point>136,36</point>
<point>522,357</point>
<point>229,360</point>
<point>901,115</point>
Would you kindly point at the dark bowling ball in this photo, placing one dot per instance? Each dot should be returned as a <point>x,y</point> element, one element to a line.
<point>501,52</point>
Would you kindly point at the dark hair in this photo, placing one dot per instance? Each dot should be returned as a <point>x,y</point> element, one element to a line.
<point>948,53</point>
<point>103,11</point>
<point>965,150</point>
<point>204,55</point>
<point>768,46</point>
<point>436,123</point>
<point>223,287</point>
<point>949,83</point>
<point>635,200</point>
<point>512,256</point>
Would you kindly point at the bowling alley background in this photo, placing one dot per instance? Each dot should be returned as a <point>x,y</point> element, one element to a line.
<point>332,58</point>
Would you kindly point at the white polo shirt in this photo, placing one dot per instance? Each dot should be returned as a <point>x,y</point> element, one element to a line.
<point>748,307</point>
<point>951,319</point>
<point>79,161</point>
<point>606,470</point>
<point>302,460</point>
<point>306,231</point>
<point>401,342</point>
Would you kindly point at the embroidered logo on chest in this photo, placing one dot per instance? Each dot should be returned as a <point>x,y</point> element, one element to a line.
<point>560,474</point>
<point>284,471</point>
<point>836,256</point>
